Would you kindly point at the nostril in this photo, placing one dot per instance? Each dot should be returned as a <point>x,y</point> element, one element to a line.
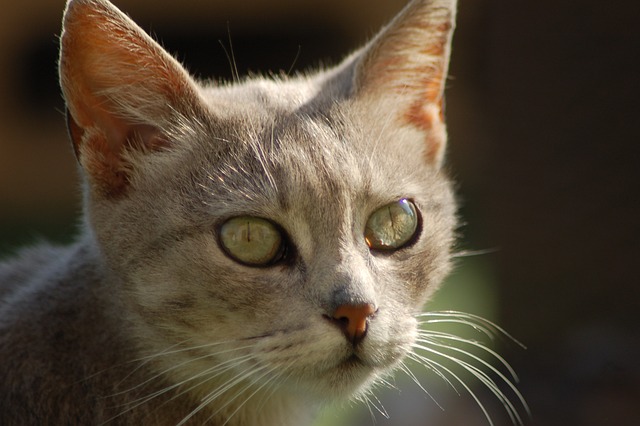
<point>342,321</point>
<point>353,320</point>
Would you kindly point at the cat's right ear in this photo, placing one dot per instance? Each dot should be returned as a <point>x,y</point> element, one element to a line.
<point>121,89</point>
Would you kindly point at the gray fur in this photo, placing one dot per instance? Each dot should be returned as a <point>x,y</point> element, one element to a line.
<point>146,301</point>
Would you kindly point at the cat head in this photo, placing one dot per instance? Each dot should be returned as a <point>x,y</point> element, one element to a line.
<point>288,228</point>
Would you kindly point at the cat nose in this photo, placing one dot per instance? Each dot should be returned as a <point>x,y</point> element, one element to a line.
<point>353,320</point>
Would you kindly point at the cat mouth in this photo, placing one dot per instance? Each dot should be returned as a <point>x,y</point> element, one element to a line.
<point>353,361</point>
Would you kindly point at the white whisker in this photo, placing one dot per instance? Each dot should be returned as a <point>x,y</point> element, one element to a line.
<point>234,381</point>
<point>273,382</point>
<point>138,367</point>
<point>438,365</point>
<point>436,342</point>
<point>430,337</point>
<point>379,406</point>
<point>365,399</point>
<point>169,350</point>
<point>413,377</point>
<point>131,405</point>
<point>471,320</point>
<point>469,253</point>
<point>482,377</point>
<point>432,366</point>
<point>211,373</point>
<point>383,381</point>
<point>247,387</point>
<point>177,367</point>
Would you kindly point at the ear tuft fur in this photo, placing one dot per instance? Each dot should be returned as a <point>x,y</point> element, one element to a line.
<point>408,62</point>
<point>121,89</point>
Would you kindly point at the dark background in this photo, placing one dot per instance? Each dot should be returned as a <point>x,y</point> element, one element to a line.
<point>543,109</point>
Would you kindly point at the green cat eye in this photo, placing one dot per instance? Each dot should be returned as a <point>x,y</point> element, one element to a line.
<point>392,226</point>
<point>251,240</point>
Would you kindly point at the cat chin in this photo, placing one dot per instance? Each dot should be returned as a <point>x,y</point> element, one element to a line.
<point>345,377</point>
<point>347,380</point>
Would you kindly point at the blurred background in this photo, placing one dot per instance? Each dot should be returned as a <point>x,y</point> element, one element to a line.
<point>543,109</point>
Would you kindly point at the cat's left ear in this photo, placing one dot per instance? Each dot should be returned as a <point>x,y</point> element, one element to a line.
<point>403,71</point>
<point>123,92</point>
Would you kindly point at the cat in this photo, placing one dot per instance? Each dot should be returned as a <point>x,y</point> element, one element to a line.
<point>249,252</point>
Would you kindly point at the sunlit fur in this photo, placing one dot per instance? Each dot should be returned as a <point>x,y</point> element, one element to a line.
<point>145,319</point>
<point>449,356</point>
<point>247,383</point>
<point>468,355</point>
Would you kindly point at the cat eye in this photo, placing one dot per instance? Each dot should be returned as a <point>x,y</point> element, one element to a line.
<point>252,241</point>
<point>392,226</point>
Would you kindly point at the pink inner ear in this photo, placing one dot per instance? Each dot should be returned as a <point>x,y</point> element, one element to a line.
<point>100,140</point>
<point>151,138</point>
<point>429,119</point>
<point>408,62</point>
<point>107,168</point>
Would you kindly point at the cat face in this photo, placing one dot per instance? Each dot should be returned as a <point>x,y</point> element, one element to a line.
<point>239,220</point>
<point>317,185</point>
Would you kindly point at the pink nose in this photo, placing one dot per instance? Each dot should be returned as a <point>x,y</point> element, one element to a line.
<point>353,320</point>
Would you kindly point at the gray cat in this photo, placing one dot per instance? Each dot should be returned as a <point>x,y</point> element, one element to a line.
<point>250,252</point>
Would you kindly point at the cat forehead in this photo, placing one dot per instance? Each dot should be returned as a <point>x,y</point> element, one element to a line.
<point>281,144</point>
<point>300,116</point>
<point>280,153</point>
<point>259,95</point>
<point>297,157</point>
